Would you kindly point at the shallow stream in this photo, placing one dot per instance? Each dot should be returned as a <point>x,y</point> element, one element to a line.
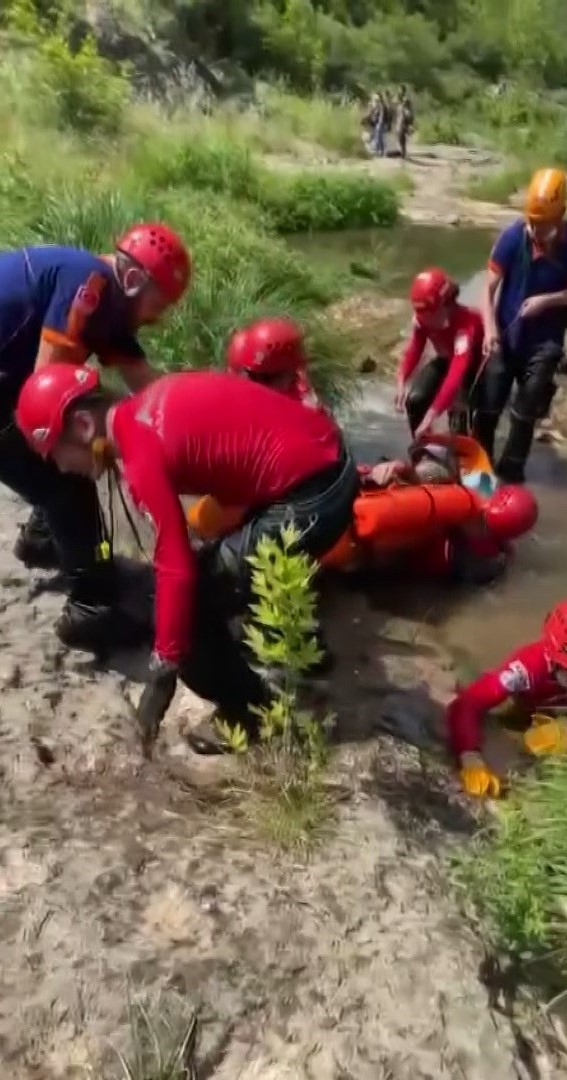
<point>482,625</point>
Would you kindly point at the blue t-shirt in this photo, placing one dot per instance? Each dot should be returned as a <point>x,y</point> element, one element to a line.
<point>64,296</point>
<point>525,272</point>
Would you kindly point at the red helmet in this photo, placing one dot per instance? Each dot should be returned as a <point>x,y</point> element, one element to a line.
<point>555,635</point>
<point>162,254</point>
<point>267,347</point>
<point>432,289</point>
<point>510,512</point>
<point>44,399</point>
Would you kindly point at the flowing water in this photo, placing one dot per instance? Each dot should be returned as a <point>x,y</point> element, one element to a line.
<point>485,624</point>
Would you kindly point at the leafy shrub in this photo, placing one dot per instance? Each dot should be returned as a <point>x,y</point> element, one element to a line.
<point>516,873</point>
<point>287,795</point>
<point>310,201</point>
<point>242,272</point>
<point>89,93</point>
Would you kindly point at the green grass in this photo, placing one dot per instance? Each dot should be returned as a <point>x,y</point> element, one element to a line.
<point>208,181</point>
<point>516,872</point>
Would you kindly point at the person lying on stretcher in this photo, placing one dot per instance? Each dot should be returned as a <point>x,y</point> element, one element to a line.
<point>533,677</point>
<point>272,352</point>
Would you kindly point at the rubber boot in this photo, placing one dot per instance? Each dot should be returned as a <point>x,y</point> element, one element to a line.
<point>484,431</point>
<point>92,620</point>
<point>35,546</point>
<point>512,464</point>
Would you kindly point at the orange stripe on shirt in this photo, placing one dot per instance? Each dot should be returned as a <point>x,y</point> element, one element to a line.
<point>74,351</point>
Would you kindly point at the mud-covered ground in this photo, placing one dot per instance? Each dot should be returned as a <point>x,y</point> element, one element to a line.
<point>121,878</point>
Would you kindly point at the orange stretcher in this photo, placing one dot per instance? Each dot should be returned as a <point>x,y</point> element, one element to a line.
<point>395,519</point>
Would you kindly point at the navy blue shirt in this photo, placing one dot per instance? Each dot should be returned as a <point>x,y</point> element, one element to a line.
<point>66,297</point>
<point>525,272</point>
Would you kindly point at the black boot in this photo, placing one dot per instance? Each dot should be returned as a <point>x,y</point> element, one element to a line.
<point>92,619</point>
<point>35,546</point>
<point>484,430</point>
<point>512,464</point>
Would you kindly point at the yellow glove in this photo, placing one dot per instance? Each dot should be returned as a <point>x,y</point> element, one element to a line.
<point>549,737</point>
<point>477,778</point>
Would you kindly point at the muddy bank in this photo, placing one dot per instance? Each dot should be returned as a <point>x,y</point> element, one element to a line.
<point>118,876</point>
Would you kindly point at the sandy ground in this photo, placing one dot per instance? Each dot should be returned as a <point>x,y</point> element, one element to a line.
<point>121,878</point>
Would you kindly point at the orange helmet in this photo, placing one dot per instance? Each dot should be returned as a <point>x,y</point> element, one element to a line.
<point>555,635</point>
<point>546,196</point>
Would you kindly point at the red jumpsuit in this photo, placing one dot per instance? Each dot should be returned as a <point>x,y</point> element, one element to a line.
<point>200,433</point>
<point>460,342</point>
<point>524,675</point>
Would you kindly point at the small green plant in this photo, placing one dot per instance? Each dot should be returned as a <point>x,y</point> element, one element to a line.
<point>163,1045</point>
<point>516,872</point>
<point>287,796</point>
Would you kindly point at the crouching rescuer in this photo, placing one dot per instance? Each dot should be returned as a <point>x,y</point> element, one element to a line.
<point>532,678</point>
<point>190,434</point>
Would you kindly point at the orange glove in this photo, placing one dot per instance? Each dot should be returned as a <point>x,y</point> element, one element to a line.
<point>477,777</point>
<point>546,736</point>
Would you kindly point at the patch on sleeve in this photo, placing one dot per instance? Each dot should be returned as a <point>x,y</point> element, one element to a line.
<point>515,678</point>
<point>84,304</point>
<point>462,344</point>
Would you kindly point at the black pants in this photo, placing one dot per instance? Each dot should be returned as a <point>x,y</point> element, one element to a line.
<point>69,503</point>
<point>218,668</point>
<point>533,377</point>
<point>320,509</point>
<point>425,388</point>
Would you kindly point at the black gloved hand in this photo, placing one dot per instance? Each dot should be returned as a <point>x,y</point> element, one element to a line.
<point>155,701</point>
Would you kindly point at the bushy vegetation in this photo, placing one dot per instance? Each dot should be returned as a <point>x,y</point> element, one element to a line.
<point>286,798</point>
<point>516,872</point>
<point>341,45</point>
<point>81,159</point>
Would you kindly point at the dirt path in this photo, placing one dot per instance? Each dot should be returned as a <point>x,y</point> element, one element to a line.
<point>439,175</point>
<point>118,876</point>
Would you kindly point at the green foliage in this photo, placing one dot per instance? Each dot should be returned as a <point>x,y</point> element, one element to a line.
<point>286,798</point>
<point>80,88</point>
<point>516,873</point>
<point>242,271</point>
<point>291,201</point>
<point>281,634</point>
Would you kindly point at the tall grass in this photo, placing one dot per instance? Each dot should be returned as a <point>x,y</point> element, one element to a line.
<point>516,872</point>
<point>242,272</point>
<point>58,186</point>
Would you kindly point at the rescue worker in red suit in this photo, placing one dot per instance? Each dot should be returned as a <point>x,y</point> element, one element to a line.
<point>272,351</point>
<point>62,304</point>
<point>456,334</point>
<point>533,677</point>
<point>190,434</point>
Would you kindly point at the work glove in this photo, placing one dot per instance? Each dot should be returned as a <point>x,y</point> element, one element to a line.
<point>155,701</point>
<point>547,737</point>
<point>477,777</point>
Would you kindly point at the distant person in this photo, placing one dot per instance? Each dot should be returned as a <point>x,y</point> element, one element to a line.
<point>389,113</point>
<point>378,142</point>
<point>525,320</point>
<point>404,120</point>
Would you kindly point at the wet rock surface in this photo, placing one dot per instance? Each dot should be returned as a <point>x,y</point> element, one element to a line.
<point>120,876</point>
